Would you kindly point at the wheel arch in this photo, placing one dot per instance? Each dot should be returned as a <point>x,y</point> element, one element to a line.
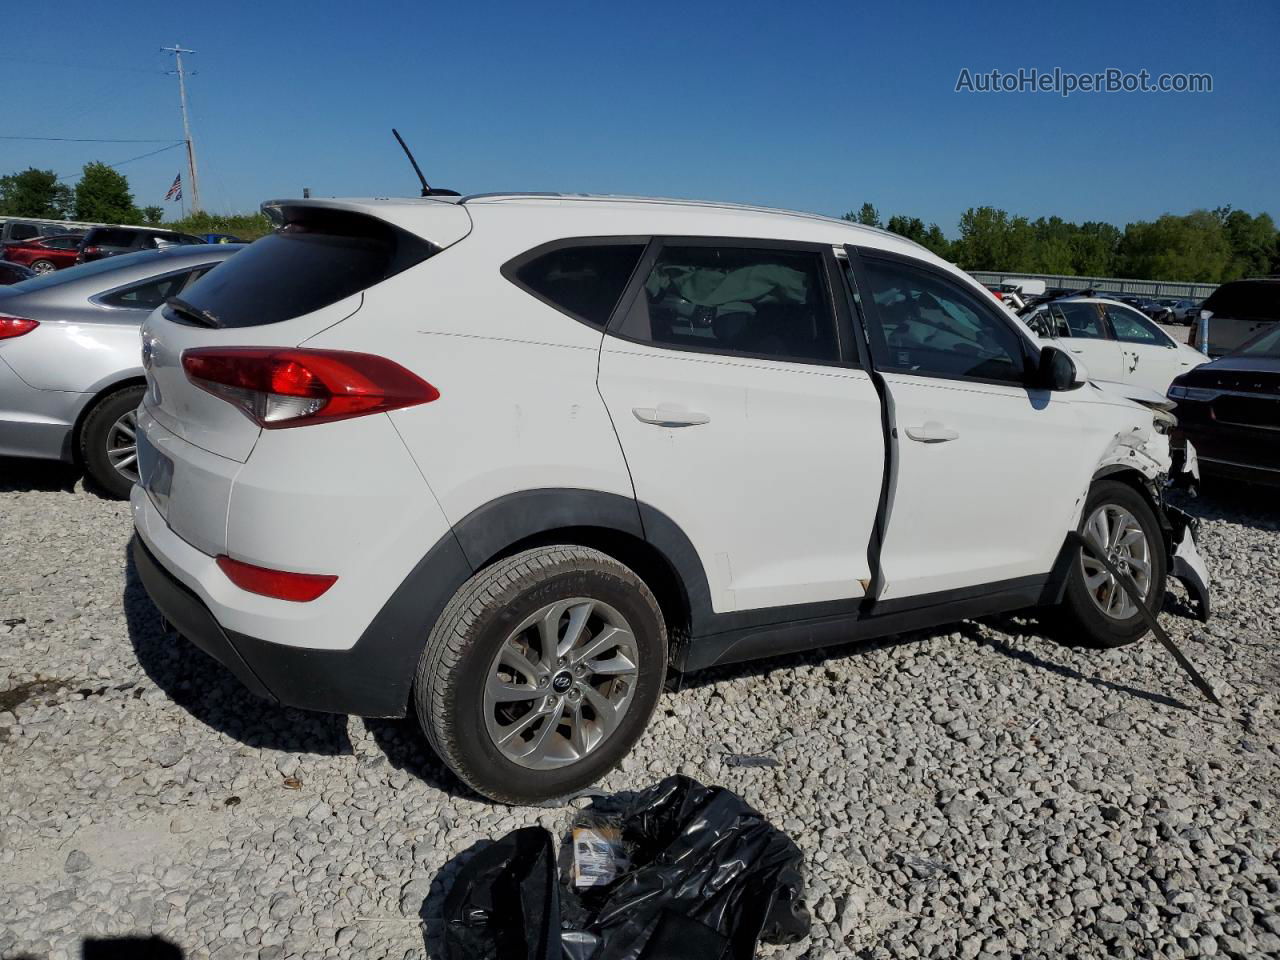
<point>99,393</point>
<point>607,522</point>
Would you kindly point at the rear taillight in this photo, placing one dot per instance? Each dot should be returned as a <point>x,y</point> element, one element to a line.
<point>279,584</point>
<point>279,388</point>
<point>11,327</point>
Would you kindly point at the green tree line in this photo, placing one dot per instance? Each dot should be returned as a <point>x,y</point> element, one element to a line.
<point>1207,246</point>
<point>102,195</point>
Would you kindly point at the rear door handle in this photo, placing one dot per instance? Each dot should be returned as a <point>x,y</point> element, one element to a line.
<point>932,432</point>
<point>670,415</point>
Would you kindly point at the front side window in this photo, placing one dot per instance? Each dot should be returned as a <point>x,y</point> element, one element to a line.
<point>582,280</point>
<point>1133,327</point>
<point>23,231</point>
<point>931,325</point>
<point>764,302</point>
<point>1079,320</point>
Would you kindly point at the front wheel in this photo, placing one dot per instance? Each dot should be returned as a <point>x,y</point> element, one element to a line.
<point>1096,611</point>
<point>542,673</point>
<point>43,266</point>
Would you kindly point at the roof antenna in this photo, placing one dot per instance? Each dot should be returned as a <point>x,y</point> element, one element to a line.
<point>427,191</point>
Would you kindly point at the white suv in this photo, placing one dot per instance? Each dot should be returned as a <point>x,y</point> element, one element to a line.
<point>512,457</point>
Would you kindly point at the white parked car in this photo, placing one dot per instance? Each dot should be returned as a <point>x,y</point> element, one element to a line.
<point>1115,341</point>
<point>511,457</point>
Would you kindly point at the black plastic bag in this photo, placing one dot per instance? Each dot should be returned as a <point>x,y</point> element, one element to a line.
<point>708,877</point>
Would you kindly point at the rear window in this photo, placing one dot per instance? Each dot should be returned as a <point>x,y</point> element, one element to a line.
<point>317,258</point>
<point>583,279</point>
<point>1246,299</point>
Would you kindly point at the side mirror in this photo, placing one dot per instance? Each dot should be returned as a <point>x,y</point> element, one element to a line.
<point>1057,371</point>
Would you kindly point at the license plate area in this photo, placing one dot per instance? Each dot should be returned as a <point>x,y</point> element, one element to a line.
<point>155,473</point>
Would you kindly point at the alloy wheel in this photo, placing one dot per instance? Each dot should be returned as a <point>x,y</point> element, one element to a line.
<point>122,446</point>
<point>1118,534</point>
<point>561,683</point>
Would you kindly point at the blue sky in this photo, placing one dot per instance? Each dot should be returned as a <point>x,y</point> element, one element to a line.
<point>815,106</point>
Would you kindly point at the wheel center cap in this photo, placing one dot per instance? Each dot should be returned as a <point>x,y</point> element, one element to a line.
<point>562,682</point>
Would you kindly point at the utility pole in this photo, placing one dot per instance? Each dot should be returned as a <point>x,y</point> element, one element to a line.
<point>178,50</point>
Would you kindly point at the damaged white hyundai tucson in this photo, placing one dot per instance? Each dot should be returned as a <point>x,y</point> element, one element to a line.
<point>510,459</point>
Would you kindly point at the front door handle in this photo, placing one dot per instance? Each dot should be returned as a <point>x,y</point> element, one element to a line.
<point>670,415</point>
<point>932,432</point>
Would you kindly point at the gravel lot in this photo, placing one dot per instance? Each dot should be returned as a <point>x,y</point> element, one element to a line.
<point>974,792</point>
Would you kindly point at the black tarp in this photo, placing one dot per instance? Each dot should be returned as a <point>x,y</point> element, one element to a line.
<point>709,877</point>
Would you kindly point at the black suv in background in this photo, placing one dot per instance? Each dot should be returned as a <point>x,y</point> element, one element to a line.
<point>1241,310</point>
<point>102,242</point>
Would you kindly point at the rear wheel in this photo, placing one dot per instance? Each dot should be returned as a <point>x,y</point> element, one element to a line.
<point>43,266</point>
<point>108,441</point>
<point>1096,611</point>
<point>542,673</point>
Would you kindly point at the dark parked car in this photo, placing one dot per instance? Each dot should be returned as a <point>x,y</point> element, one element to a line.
<point>13,231</point>
<point>110,241</point>
<point>14,273</point>
<point>1240,310</point>
<point>1230,411</point>
<point>45,253</point>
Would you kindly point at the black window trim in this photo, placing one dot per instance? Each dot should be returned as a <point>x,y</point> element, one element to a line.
<point>858,256</point>
<point>99,299</point>
<point>840,319</point>
<point>510,270</point>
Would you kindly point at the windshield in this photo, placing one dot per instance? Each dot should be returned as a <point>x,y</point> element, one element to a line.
<point>83,270</point>
<point>1267,345</point>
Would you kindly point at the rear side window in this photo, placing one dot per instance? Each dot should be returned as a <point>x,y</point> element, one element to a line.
<point>1246,300</point>
<point>582,279</point>
<point>150,293</point>
<point>317,258</point>
<point>764,302</point>
<point>23,231</point>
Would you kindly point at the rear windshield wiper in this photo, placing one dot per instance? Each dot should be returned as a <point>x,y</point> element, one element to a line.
<point>197,315</point>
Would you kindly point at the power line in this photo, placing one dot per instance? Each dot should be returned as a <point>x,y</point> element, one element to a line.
<point>141,156</point>
<point>84,139</point>
<point>115,68</point>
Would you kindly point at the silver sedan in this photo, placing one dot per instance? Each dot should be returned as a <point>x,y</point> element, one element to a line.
<point>70,357</point>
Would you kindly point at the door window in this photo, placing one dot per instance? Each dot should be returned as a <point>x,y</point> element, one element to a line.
<point>1132,327</point>
<point>63,243</point>
<point>755,301</point>
<point>930,325</point>
<point>1078,320</point>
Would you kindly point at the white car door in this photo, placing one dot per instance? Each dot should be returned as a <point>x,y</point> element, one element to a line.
<point>1082,331</point>
<point>1151,357</point>
<point>745,419</point>
<point>987,473</point>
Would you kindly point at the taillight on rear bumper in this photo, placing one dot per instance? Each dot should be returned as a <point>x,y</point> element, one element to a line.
<point>11,327</point>
<point>295,387</point>
<point>278,584</point>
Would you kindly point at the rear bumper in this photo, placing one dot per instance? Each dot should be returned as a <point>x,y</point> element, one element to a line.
<point>1234,470</point>
<point>36,423</point>
<point>371,679</point>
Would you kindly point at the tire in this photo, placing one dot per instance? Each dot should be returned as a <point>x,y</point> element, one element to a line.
<point>486,640</point>
<point>43,266</point>
<point>103,428</point>
<point>1080,618</point>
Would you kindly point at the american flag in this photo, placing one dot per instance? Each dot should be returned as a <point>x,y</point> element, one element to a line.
<point>175,192</point>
